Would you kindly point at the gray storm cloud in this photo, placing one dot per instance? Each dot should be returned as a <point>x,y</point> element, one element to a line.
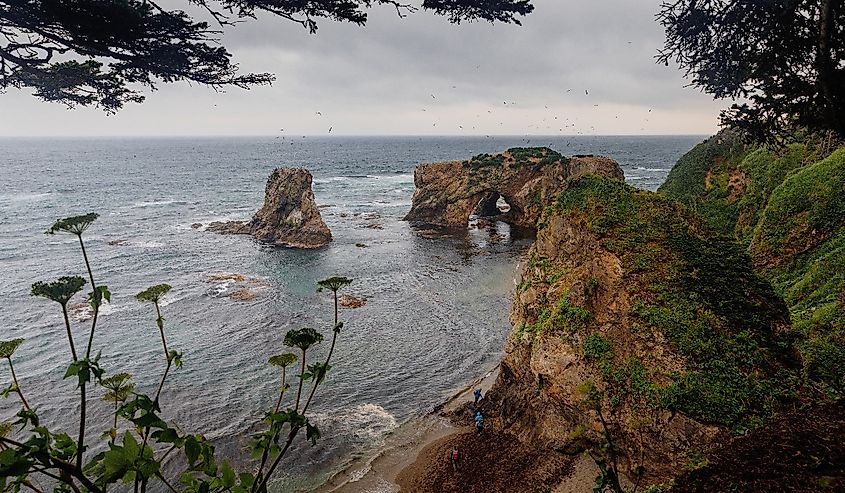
<point>572,67</point>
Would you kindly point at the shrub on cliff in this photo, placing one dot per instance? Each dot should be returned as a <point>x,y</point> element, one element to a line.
<point>138,441</point>
<point>785,204</point>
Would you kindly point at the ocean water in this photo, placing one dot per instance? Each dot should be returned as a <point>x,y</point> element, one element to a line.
<point>437,314</point>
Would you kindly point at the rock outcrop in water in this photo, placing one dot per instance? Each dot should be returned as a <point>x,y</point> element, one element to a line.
<point>290,216</point>
<point>629,304</point>
<point>448,193</point>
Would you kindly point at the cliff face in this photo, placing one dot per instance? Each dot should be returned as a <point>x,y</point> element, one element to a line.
<point>289,216</point>
<point>526,178</point>
<point>785,205</point>
<point>629,297</point>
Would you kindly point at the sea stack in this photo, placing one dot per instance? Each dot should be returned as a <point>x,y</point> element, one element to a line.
<point>290,216</point>
<point>526,178</point>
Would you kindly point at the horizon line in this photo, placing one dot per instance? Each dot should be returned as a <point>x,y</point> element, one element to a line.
<point>326,136</point>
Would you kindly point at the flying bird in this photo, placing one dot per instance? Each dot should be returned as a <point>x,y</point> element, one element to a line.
<point>319,113</point>
<point>586,92</point>
<point>330,129</point>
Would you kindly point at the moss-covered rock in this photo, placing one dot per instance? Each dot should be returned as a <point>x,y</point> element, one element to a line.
<point>787,206</point>
<point>631,293</point>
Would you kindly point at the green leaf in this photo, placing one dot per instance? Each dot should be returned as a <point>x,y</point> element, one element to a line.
<point>192,449</point>
<point>312,433</point>
<point>247,479</point>
<point>13,462</point>
<point>228,475</point>
<point>96,297</point>
<point>131,446</point>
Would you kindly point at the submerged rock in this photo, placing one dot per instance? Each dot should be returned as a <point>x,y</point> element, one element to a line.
<point>526,179</point>
<point>349,301</point>
<point>243,294</point>
<point>290,216</point>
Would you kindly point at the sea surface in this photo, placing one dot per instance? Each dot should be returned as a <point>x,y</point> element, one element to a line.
<point>437,311</point>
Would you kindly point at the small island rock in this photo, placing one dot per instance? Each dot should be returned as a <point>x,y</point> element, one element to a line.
<point>290,216</point>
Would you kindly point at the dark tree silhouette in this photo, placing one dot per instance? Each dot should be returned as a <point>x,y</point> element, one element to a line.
<point>781,59</point>
<point>106,52</point>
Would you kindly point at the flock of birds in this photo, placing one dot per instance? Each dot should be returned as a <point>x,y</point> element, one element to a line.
<point>544,124</point>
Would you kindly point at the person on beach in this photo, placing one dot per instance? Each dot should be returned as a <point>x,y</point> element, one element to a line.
<point>479,421</point>
<point>455,457</point>
<point>477,395</point>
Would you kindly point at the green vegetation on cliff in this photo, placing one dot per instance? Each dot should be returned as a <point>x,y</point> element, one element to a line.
<point>696,288</point>
<point>785,204</point>
<point>535,157</point>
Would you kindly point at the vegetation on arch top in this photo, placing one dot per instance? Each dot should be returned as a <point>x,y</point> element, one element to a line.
<point>96,52</point>
<point>517,157</point>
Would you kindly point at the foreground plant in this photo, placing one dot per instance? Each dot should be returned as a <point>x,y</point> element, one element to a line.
<point>36,453</point>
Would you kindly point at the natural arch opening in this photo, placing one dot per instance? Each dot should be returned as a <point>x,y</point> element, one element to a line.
<point>491,205</point>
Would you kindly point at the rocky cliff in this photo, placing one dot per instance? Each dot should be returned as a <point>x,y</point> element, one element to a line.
<point>448,193</point>
<point>633,308</point>
<point>289,216</point>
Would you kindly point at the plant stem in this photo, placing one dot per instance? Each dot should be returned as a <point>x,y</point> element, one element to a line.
<point>299,390</point>
<point>161,477</point>
<point>328,358</point>
<point>96,298</point>
<point>82,407</point>
<point>281,393</point>
<point>69,334</point>
<point>160,324</point>
<point>17,385</point>
<point>295,430</point>
<point>263,486</point>
<point>266,452</point>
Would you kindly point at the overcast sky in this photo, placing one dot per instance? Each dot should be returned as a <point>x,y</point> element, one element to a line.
<point>421,76</point>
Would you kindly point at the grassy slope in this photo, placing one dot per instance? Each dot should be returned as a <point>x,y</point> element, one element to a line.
<point>787,206</point>
<point>696,287</point>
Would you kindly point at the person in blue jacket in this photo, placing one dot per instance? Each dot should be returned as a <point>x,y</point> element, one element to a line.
<point>479,421</point>
<point>477,395</point>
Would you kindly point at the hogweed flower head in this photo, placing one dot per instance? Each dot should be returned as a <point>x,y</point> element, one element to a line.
<point>153,294</point>
<point>303,338</point>
<point>333,283</point>
<point>60,291</point>
<point>119,387</point>
<point>7,348</point>
<point>283,360</point>
<point>74,225</point>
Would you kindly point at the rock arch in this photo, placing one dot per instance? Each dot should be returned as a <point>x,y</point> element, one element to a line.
<point>447,193</point>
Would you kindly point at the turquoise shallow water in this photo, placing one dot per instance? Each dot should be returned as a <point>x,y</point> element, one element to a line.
<point>438,310</point>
